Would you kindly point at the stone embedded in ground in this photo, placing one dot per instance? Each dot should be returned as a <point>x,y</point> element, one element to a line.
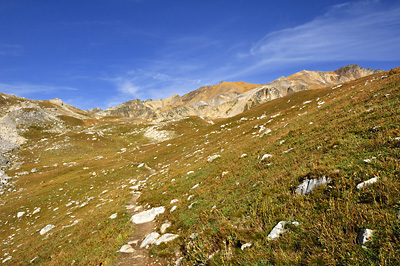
<point>247,245</point>
<point>150,239</point>
<point>309,185</point>
<point>213,157</point>
<point>126,249</point>
<point>46,229</point>
<point>369,181</point>
<point>166,238</point>
<point>20,214</point>
<point>164,227</point>
<point>113,216</point>
<point>265,156</point>
<point>173,201</point>
<point>147,216</point>
<point>279,229</point>
<point>364,236</point>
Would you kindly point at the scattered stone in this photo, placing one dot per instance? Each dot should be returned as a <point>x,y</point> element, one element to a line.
<point>193,236</point>
<point>140,165</point>
<point>19,214</point>
<point>150,239</point>
<point>369,159</point>
<point>213,157</point>
<point>147,216</point>
<point>288,150</point>
<point>126,249</point>
<point>195,186</point>
<point>173,209</point>
<point>190,172</point>
<point>113,216</point>
<point>7,259</point>
<point>36,210</point>
<point>34,170</point>
<point>164,227</point>
<point>247,245</point>
<point>309,185</point>
<point>364,236</point>
<point>46,229</point>
<point>369,181</point>
<point>279,229</point>
<point>243,155</point>
<point>265,156</point>
<point>174,201</point>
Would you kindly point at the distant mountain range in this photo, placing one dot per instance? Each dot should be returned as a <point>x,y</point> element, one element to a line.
<point>227,99</point>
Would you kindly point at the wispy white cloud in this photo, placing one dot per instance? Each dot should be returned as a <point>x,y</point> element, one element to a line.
<point>29,90</point>
<point>353,31</point>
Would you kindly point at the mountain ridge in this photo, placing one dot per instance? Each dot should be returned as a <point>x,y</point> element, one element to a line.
<point>227,99</point>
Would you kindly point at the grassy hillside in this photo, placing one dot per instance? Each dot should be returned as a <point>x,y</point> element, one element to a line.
<point>84,176</point>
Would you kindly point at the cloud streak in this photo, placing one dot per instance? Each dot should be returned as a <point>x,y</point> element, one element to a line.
<point>29,90</point>
<point>352,31</point>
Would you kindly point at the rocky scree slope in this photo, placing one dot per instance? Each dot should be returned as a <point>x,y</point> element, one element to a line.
<point>17,115</point>
<point>231,98</point>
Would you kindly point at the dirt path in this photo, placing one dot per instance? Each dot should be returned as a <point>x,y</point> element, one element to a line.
<point>140,256</point>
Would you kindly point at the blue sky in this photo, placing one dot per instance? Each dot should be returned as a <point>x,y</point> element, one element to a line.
<point>100,53</point>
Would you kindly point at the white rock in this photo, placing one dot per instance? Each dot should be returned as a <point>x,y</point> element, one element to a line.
<point>7,259</point>
<point>36,210</point>
<point>309,185</point>
<point>190,172</point>
<point>364,236</point>
<point>369,159</point>
<point>166,238</point>
<point>126,249</point>
<point>288,150</point>
<point>195,186</point>
<point>247,245</point>
<point>173,209</point>
<point>140,165</point>
<point>279,229</point>
<point>173,201</point>
<point>213,157</point>
<point>46,229</point>
<point>369,181</point>
<point>19,214</point>
<point>150,239</point>
<point>113,216</point>
<point>265,156</point>
<point>164,227</point>
<point>147,216</point>
<point>243,155</point>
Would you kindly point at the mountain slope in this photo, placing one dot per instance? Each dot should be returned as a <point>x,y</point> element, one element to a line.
<point>231,183</point>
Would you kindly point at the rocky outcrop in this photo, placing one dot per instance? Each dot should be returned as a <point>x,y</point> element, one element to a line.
<point>231,98</point>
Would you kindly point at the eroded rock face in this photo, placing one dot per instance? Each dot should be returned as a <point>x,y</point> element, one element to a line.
<point>309,185</point>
